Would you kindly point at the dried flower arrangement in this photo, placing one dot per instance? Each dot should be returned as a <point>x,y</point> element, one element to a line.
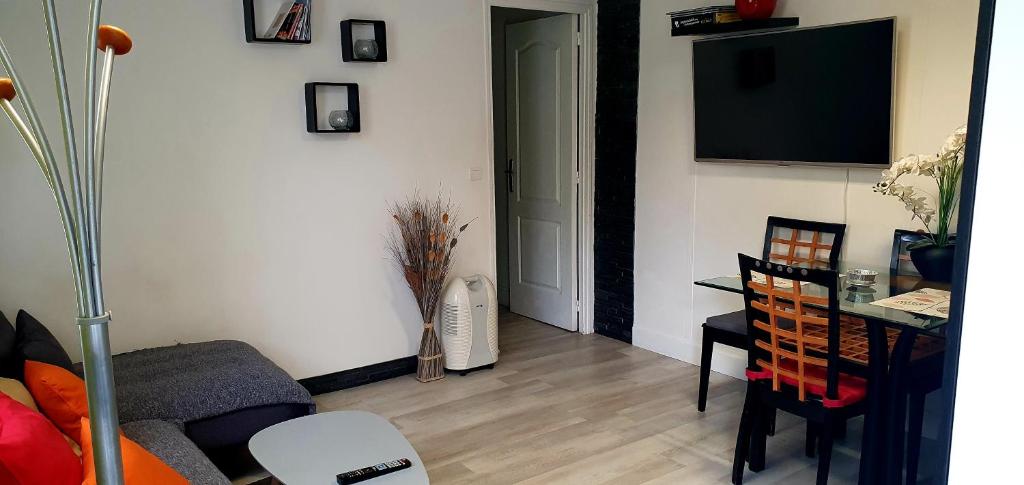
<point>423,249</point>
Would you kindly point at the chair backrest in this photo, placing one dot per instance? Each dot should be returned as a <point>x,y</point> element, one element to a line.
<point>900,263</point>
<point>795,242</point>
<point>790,350</point>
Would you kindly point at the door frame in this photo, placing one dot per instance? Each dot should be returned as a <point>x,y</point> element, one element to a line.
<point>980,283</point>
<point>583,137</point>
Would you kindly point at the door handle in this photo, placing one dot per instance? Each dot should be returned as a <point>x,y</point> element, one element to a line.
<point>510,172</point>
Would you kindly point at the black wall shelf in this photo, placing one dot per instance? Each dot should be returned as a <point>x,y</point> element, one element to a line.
<point>348,42</point>
<point>312,117</point>
<point>248,11</point>
<point>742,26</point>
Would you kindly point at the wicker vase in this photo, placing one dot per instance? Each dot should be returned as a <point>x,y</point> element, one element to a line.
<point>430,359</point>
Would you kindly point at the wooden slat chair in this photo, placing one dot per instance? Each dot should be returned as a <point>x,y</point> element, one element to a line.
<point>899,261</point>
<point>903,276</point>
<point>793,366</point>
<point>792,242</point>
<point>927,356</point>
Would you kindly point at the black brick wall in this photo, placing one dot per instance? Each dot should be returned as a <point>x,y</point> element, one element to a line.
<point>618,46</point>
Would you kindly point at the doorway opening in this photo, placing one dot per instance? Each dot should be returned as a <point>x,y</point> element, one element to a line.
<point>536,59</point>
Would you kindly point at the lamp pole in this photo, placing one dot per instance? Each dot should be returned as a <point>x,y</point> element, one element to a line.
<point>79,213</point>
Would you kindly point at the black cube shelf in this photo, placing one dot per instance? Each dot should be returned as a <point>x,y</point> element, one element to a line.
<point>249,12</point>
<point>348,43</point>
<point>312,110</point>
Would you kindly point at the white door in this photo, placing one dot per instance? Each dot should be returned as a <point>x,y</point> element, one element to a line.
<point>541,58</point>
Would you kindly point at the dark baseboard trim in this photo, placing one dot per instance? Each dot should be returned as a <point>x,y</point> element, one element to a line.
<point>346,379</point>
<point>615,333</point>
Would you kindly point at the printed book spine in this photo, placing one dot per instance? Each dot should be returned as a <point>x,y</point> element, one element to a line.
<point>303,32</point>
<point>289,21</point>
<point>282,13</point>
<point>704,10</point>
<point>302,21</point>
<point>294,31</point>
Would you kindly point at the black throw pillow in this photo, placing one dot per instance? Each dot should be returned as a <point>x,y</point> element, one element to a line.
<point>7,341</point>
<point>35,342</point>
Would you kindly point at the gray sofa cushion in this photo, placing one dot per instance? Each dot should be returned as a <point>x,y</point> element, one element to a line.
<point>167,442</point>
<point>189,382</point>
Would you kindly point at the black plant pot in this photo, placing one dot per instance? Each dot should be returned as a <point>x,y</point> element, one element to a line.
<point>934,263</point>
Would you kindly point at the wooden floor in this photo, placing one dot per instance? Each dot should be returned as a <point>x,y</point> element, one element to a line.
<point>562,407</point>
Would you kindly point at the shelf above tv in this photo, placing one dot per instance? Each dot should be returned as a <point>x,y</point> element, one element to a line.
<point>732,27</point>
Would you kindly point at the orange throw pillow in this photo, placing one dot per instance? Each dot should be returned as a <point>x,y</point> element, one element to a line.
<point>140,466</point>
<point>59,394</point>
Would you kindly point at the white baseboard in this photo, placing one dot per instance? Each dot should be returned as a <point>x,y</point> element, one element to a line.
<point>667,345</point>
<point>726,360</point>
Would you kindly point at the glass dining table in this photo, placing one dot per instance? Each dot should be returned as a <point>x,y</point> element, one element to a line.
<point>888,372</point>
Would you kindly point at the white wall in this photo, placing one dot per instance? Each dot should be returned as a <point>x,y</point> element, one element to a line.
<point>693,218</point>
<point>224,218</point>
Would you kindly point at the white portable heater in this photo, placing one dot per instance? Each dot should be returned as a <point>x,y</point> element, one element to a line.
<point>469,324</point>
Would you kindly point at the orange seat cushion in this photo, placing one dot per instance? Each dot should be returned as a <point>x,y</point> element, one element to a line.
<point>59,394</point>
<point>852,389</point>
<point>140,466</point>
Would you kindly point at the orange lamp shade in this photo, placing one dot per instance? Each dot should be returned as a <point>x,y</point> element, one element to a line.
<point>113,37</point>
<point>6,88</point>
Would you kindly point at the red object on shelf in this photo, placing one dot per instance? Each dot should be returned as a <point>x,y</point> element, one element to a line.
<point>755,9</point>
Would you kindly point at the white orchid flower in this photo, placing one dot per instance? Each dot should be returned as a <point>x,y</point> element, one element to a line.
<point>945,168</point>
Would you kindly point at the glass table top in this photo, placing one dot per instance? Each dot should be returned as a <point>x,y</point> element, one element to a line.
<point>856,301</point>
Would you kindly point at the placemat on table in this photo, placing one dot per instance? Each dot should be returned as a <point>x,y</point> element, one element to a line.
<point>925,301</point>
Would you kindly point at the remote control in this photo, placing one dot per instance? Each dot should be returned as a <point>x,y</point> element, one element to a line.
<point>356,476</point>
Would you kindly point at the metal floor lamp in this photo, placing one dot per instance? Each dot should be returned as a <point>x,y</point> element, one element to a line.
<point>80,213</point>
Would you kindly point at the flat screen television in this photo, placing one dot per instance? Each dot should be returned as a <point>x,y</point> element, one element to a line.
<point>816,95</point>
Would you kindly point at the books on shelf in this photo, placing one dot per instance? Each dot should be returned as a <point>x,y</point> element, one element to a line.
<point>720,14</point>
<point>302,28</point>
<point>279,19</point>
<point>714,18</point>
<point>703,10</point>
<point>291,22</point>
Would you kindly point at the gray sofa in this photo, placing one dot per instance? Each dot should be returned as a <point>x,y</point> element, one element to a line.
<point>167,442</point>
<point>188,401</point>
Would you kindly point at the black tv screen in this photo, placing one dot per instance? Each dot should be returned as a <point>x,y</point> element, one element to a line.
<point>818,95</point>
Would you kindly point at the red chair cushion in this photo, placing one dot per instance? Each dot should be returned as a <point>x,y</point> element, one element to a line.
<point>32,450</point>
<point>852,389</point>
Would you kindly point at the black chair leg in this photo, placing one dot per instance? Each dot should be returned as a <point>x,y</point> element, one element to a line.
<point>825,450</point>
<point>739,460</point>
<point>811,442</point>
<point>772,414</point>
<point>707,348</point>
<point>759,436</point>
<point>914,432</point>
<point>840,431</point>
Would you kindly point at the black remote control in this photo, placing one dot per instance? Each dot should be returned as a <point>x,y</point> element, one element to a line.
<point>356,476</point>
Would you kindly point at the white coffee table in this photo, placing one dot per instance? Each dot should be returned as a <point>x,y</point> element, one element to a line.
<point>313,450</point>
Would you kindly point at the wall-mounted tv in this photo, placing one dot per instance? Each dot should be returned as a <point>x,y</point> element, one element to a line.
<point>816,95</point>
